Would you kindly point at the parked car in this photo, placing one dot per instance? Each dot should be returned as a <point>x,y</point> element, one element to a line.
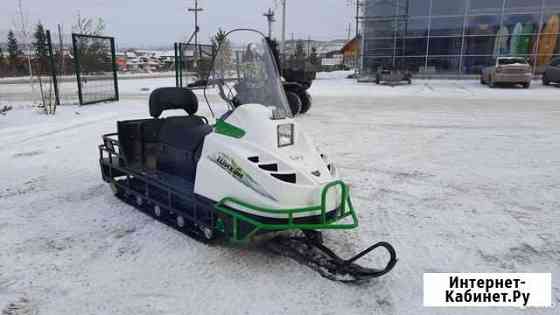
<point>510,70</point>
<point>552,72</point>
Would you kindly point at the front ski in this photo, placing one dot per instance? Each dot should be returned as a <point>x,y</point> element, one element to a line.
<point>310,251</point>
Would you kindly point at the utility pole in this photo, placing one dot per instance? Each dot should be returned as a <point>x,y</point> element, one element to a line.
<point>349,31</point>
<point>270,18</point>
<point>283,43</point>
<point>196,9</point>
<point>61,45</point>
<point>358,4</point>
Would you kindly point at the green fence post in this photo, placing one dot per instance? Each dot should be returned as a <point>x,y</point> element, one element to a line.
<point>181,59</point>
<point>77,66</point>
<point>114,61</point>
<point>176,61</point>
<point>53,68</point>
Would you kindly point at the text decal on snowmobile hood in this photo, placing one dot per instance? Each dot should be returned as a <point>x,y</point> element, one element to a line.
<point>228,164</point>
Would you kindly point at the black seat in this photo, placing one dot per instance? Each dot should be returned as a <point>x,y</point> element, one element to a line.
<point>180,137</point>
<point>185,133</point>
<point>172,98</point>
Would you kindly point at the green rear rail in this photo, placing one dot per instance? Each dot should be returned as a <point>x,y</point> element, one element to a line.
<point>346,209</point>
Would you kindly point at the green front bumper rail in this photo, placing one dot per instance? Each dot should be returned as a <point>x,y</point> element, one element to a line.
<point>325,223</point>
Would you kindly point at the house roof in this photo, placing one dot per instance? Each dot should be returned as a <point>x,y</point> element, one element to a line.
<point>350,43</point>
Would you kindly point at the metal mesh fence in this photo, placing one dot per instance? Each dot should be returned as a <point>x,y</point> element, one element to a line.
<point>194,62</point>
<point>96,71</point>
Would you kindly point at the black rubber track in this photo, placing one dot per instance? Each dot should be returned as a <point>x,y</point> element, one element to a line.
<point>167,218</point>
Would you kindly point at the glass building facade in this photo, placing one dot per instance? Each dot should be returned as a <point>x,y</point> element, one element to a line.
<point>457,36</point>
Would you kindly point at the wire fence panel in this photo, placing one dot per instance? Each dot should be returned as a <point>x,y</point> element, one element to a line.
<point>194,63</point>
<point>96,70</point>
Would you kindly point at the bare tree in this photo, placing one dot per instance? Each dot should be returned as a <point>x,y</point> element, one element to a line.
<point>21,24</point>
<point>92,51</point>
<point>88,26</point>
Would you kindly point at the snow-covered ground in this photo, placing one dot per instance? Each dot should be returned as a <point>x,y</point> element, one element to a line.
<point>459,177</point>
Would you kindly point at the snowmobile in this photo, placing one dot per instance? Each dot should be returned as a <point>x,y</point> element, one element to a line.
<point>251,173</point>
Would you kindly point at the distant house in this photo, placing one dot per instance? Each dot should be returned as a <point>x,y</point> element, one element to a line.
<point>332,58</point>
<point>351,52</point>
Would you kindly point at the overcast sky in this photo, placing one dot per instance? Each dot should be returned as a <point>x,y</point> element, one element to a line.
<point>148,23</point>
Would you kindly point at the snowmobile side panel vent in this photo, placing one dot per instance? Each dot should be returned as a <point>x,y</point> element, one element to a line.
<point>254,159</point>
<point>271,167</point>
<point>285,177</point>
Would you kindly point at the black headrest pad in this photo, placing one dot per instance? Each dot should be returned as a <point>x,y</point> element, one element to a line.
<point>172,98</point>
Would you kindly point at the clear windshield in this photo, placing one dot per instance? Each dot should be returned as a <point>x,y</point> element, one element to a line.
<point>244,72</point>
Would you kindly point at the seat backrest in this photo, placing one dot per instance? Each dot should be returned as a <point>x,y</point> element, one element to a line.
<point>172,98</point>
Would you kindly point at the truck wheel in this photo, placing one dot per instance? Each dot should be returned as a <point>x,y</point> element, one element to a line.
<point>305,102</point>
<point>492,84</point>
<point>377,81</point>
<point>527,85</point>
<point>482,80</point>
<point>545,80</point>
<point>295,103</point>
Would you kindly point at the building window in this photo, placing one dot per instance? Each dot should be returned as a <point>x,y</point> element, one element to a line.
<point>372,64</point>
<point>445,46</point>
<point>443,64</point>
<point>376,28</point>
<point>412,64</point>
<point>413,27</point>
<point>522,23</point>
<point>445,26</point>
<point>523,5</point>
<point>482,25</point>
<point>416,7</point>
<point>446,7</point>
<point>412,46</point>
<point>475,64</point>
<point>463,36</point>
<point>479,45</point>
<point>381,7</point>
<point>485,6</point>
<point>552,4</point>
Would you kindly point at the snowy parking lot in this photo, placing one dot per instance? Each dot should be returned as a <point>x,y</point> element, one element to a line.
<point>457,176</point>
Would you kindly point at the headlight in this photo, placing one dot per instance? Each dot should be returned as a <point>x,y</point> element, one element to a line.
<point>285,135</point>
